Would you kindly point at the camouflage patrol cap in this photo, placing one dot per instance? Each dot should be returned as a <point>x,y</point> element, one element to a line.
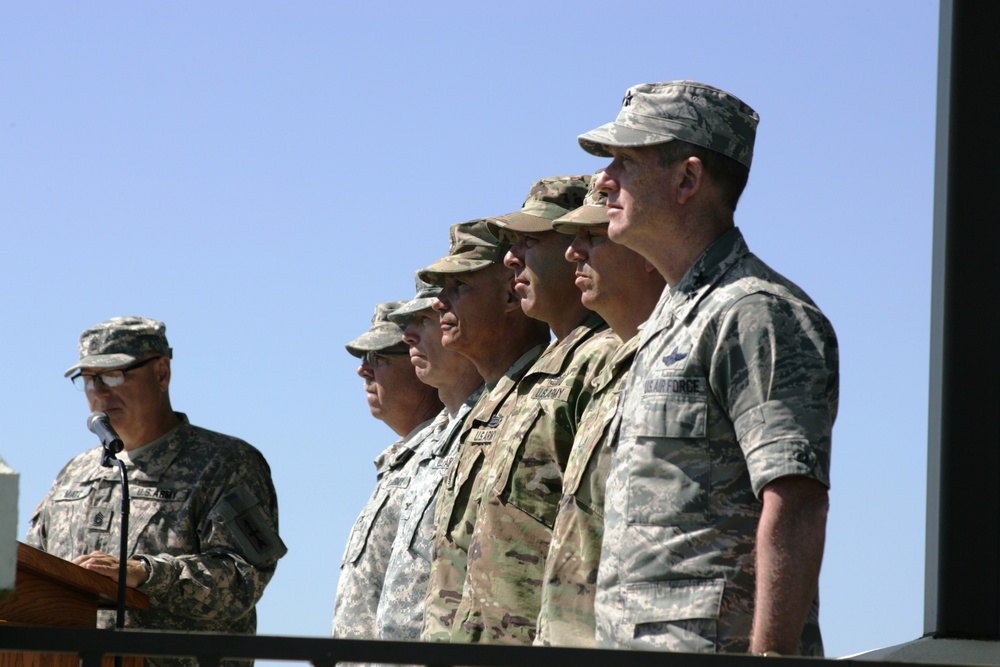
<point>120,341</point>
<point>655,113</point>
<point>381,335</point>
<point>594,211</point>
<point>422,301</point>
<point>547,199</point>
<point>473,247</point>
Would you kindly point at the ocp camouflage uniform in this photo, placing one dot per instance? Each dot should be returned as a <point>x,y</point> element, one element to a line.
<point>400,613</point>
<point>362,569</point>
<point>523,484</point>
<point>455,512</point>
<point>204,517</point>
<point>734,385</point>
<point>566,617</point>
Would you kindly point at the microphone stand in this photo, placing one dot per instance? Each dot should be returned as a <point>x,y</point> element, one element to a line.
<point>107,460</point>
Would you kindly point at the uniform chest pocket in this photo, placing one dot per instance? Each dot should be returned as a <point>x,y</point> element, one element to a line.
<point>90,511</point>
<point>420,526</point>
<point>362,529</point>
<point>457,489</point>
<point>589,460</point>
<point>530,477</point>
<point>669,457</point>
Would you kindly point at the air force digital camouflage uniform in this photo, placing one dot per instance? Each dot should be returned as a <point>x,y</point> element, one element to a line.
<point>203,513</point>
<point>362,569</point>
<point>400,613</point>
<point>734,385</point>
<point>523,475</point>
<point>570,581</point>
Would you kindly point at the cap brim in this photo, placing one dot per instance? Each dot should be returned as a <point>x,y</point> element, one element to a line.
<point>102,361</point>
<point>597,141</point>
<point>403,314</point>
<point>585,216</point>
<point>372,342</point>
<point>521,222</point>
<point>452,264</point>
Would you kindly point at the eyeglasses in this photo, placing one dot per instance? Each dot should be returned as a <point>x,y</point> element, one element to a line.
<point>378,359</point>
<point>113,378</point>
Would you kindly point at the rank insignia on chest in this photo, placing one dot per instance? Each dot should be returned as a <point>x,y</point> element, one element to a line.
<point>100,519</point>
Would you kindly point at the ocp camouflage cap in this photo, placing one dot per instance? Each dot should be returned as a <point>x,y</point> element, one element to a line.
<point>655,113</point>
<point>121,341</point>
<point>547,199</point>
<point>473,247</point>
<point>594,211</point>
<point>382,334</point>
<point>422,301</point>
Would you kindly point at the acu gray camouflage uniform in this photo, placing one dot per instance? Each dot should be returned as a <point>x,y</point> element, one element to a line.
<point>566,617</point>
<point>363,567</point>
<point>522,486</point>
<point>734,385</point>
<point>204,516</point>
<point>366,557</point>
<point>455,512</point>
<point>400,612</point>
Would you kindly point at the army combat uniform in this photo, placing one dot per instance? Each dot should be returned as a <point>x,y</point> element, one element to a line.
<point>570,581</point>
<point>522,487</point>
<point>400,612</point>
<point>362,569</point>
<point>455,512</point>
<point>734,385</point>
<point>204,518</point>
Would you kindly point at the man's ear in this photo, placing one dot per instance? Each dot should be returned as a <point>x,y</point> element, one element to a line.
<point>689,177</point>
<point>162,368</point>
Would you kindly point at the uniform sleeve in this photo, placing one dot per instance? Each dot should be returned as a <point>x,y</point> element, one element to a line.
<point>776,370</point>
<point>38,527</point>
<point>238,547</point>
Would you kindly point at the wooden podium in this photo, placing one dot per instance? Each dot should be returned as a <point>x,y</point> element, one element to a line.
<point>53,591</point>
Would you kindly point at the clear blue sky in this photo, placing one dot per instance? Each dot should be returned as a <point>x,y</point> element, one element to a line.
<point>259,175</point>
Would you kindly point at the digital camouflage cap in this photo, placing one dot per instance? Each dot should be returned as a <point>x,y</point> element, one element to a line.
<point>422,301</point>
<point>548,199</point>
<point>473,247</point>
<point>120,341</point>
<point>654,113</point>
<point>594,211</point>
<point>382,334</point>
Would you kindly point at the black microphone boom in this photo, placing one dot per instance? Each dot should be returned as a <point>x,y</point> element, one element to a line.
<point>100,425</point>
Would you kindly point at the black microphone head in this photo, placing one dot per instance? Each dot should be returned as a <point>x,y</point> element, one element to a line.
<point>95,417</point>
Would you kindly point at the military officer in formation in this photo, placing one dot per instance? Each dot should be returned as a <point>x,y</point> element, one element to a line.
<point>646,464</point>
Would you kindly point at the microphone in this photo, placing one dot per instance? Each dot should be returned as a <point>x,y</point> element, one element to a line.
<point>100,425</point>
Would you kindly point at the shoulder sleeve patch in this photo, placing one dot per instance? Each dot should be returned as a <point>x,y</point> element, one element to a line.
<point>244,520</point>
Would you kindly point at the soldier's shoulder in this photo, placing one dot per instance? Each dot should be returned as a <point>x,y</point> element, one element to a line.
<point>220,444</point>
<point>83,462</point>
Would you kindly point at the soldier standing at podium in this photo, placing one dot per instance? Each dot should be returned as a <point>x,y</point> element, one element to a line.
<point>203,524</point>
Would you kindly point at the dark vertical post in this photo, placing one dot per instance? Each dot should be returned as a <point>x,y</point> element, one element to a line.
<point>963,518</point>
